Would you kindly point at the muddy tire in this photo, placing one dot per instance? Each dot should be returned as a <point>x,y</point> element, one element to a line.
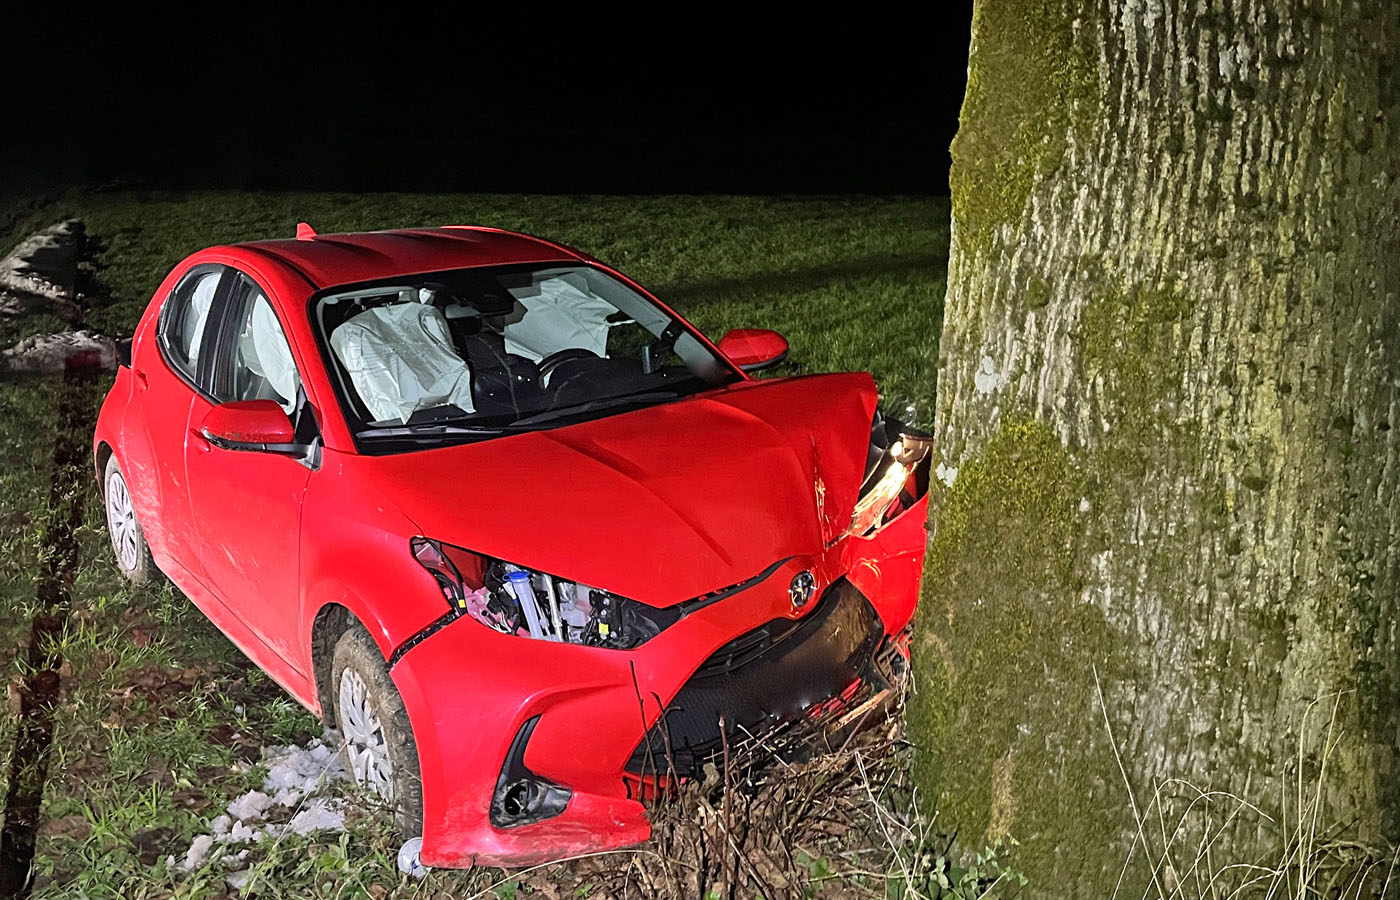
<point>379,749</point>
<point>128,539</point>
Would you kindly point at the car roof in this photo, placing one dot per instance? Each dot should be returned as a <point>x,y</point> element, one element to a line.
<point>328,260</point>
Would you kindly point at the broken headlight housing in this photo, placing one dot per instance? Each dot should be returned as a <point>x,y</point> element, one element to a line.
<point>896,474</point>
<point>515,600</point>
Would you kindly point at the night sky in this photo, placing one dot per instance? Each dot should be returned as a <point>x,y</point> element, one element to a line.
<point>313,97</point>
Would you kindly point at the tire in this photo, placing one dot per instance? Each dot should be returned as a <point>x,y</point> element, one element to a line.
<point>379,750</point>
<point>128,539</point>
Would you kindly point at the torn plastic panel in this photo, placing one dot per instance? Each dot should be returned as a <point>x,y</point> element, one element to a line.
<point>515,600</point>
<point>896,475</point>
<point>400,360</point>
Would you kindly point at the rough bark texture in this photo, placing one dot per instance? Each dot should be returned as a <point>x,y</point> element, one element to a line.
<point>1169,383</point>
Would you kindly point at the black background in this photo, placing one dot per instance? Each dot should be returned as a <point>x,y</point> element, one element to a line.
<point>319,97</point>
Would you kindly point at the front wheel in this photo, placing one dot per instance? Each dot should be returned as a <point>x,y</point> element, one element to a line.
<point>378,741</point>
<point>128,539</point>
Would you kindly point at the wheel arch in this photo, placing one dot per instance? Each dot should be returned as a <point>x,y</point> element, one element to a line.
<point>337,611</point>
<point>102,453</point>
<point>332,620</point>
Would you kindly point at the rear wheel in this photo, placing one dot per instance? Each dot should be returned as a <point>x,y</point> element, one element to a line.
<point>128,540</point>
<point>379,748</point>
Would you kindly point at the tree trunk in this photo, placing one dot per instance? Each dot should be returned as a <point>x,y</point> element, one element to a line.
<point>1167,530</point>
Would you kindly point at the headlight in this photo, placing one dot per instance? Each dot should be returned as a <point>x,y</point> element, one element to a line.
<point>515,600</point>
<point>896,474</point>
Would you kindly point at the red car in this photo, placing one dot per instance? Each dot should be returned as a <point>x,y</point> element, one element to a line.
<point>534,544</point>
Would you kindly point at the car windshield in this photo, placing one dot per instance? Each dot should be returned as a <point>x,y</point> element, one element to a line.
<point>492,350</point>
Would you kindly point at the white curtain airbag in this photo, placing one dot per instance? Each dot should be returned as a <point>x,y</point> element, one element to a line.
<point>200,300</point>
<point>265,351</point>
<point>559,318</point>
<point>400,359</point>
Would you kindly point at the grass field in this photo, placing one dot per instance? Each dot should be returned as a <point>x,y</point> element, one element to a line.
<point>159,720</point>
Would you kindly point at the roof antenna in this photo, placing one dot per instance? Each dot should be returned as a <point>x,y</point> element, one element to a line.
<point>305,232</point>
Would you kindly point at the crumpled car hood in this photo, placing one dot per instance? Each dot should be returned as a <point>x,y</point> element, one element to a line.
<point>660,504</point>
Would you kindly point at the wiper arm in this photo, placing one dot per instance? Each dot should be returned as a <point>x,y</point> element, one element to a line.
<point>593,405</point>
<point>413,431</point>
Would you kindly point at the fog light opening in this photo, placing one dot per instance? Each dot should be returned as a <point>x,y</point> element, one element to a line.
<point>517,799</point>
<point>522,797</point>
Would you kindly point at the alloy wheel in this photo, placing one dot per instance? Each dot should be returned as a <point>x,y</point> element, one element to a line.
<point>121,522</point>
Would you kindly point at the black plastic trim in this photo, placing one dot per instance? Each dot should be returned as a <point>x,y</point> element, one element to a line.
<point>766,364</point>
<point>764,681</point>
<point>423,634</point>
<point>254,446</point>
<point>687,607</point>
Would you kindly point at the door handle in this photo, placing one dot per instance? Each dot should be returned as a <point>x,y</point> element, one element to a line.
<point>140,378</point>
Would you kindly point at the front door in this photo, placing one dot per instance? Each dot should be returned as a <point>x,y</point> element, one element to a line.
<point>247,504</point>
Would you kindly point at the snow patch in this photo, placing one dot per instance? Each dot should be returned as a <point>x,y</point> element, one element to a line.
<point>946,473</point>
<point>252,805</point>
<point>198,852</point>
<point>40,272</point>
<point>49,354</point>
<point>294,774</point>
<point>319,814</point>
<point>295,771</point>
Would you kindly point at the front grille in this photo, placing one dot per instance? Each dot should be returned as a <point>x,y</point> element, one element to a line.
<point>762,682</point>
<point>745,648</point>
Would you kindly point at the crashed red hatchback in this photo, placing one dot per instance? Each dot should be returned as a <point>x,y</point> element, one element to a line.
<point>525,536</point>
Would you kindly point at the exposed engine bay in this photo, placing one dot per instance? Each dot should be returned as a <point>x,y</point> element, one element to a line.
<point>519,601</point>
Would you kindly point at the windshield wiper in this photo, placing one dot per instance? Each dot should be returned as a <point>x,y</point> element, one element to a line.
<point>593,406</point>
<point>428,431</point>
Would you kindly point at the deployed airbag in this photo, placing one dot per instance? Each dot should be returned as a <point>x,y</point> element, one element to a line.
<point>266,353</point>
<point>400,359</point>
<point>560,317</point>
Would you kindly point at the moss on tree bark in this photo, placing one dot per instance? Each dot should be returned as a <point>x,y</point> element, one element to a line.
<point>1170,374</point>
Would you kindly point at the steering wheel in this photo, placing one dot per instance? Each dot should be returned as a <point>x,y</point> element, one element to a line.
<point>550,362</point>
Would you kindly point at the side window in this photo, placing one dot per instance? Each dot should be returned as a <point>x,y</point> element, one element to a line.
<point>255,362</point>
<point>185,317</point>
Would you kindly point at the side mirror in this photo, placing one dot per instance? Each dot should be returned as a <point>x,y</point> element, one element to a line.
<point>752,349</point>
<point>249,425</point>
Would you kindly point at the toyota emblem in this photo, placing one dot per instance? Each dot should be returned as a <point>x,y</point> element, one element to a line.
<point>800,590</point>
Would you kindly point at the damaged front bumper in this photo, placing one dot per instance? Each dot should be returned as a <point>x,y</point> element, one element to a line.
<point>535,750</point>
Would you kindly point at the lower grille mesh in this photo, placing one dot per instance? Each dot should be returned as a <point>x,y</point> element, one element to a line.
<point>768,685</point>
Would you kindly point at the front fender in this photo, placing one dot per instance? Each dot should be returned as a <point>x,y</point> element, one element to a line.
<point>355,554</point>
<point>888,566</point>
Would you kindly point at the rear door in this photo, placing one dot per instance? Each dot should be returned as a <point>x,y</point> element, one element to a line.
<point>247,504</point>
<point>170,372</point>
